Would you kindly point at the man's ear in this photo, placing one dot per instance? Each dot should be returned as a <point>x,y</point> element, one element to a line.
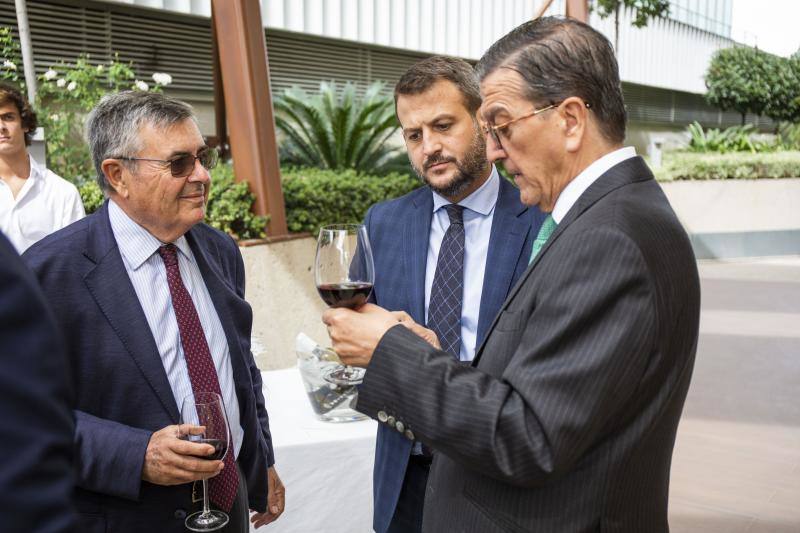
<point>115,174</point>
<point>574,117</point>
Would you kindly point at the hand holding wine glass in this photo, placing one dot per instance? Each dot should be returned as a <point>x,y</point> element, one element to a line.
<point>171,459</point>
<point>344,273</point>
<point>207,410</point>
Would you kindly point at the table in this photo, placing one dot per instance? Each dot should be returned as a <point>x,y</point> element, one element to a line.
<point>326,467</point>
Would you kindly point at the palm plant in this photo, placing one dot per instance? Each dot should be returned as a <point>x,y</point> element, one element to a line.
<point>338,130</point>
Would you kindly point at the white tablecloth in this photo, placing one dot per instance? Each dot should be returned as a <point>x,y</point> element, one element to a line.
<point>326,467</point>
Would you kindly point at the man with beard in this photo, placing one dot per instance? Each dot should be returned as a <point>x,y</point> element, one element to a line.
<point>151,303</point>
<point>446,254</point>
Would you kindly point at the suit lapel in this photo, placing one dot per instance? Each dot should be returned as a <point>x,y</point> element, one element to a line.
<point>510,229</point>
<point>110,286</point>
<point>224,298</point>
<point>625,173</point>
<point>415,252</point>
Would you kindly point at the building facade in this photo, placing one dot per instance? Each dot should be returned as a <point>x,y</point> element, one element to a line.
<point>359,41</point>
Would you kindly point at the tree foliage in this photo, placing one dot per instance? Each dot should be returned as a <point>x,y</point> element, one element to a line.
<point>749,80</point>
<point>643,11</point>
<point>338,130</point>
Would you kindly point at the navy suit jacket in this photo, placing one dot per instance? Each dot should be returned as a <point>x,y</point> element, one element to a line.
<point>399,232</point>
<point>122,391</point>
<point>36,424</point>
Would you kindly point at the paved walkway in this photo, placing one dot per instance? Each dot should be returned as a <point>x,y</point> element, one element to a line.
<point>736,467</point>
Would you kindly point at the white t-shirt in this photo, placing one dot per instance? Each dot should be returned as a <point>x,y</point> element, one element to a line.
<point>45,203</point>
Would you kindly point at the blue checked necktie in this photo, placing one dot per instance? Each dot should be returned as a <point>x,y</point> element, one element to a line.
<point>548,227</point>
<point>447,292</point>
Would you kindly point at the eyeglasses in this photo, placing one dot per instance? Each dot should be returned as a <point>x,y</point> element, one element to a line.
<point>181,167</point>
<point>493,130</point>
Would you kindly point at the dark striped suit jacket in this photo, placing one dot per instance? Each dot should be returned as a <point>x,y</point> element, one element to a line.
<point>566,420</point>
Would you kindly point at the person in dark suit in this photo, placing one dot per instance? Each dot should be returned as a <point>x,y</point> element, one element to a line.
<point>151,302</point>
<point>566,419</point>
<point>36,425</point>
<point>436,101</point>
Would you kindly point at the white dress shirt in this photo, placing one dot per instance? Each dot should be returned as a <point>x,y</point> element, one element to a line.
<point>584,180</point>
<point>478,216</point>
<point>139,250</point>
<point>45,203</point>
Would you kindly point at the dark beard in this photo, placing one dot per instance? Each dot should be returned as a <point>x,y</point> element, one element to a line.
<point>469,168</point>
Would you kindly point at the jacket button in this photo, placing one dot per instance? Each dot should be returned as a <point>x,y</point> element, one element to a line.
<point>409,434</point>
<point>400,426</point>
<point>382,416</point>
<point>180,514</point>
<point>391,420</point>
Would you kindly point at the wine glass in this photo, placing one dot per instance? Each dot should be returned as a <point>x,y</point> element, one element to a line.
<point>344,274</point>
<point>206,409</point>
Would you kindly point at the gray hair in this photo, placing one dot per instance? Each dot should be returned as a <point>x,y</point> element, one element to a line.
<point>558,58</point>
<point>112,128</point>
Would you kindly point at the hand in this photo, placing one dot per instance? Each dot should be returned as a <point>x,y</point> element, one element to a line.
<point>169,460</point>
<point>426,334</point>
<point>355,334</point>
<point>276,500</point>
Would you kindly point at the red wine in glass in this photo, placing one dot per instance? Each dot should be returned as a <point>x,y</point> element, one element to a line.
<point>352,294</point>
<point>344,274</point>
<point>207,409</point>
<point>220,447</point>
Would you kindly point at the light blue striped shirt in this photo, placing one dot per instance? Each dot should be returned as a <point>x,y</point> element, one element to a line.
<point>478,216</point>
<point>148,275</point>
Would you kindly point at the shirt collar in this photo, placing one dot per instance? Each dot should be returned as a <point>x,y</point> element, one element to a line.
<point>37,170</point>
<point>575,188</point>
<point>481,201</point>
<point>135,243</point>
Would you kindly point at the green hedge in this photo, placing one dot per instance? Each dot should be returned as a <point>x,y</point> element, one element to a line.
<point>315,197</point>
<point>709,166</point>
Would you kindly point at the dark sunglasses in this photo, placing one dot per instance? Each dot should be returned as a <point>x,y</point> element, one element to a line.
<point>181,167</point>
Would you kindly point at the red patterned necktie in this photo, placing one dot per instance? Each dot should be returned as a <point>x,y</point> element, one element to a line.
<point>202,373</point>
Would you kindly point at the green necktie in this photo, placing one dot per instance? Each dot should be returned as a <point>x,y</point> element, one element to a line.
<point>548,227</point>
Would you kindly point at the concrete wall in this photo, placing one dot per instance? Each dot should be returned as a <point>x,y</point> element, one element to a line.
<point>739,218</point>
<point>280,288</point>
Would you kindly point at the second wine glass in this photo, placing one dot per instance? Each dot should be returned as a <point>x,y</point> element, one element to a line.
<point>206,409</point>
<point>344,274</point>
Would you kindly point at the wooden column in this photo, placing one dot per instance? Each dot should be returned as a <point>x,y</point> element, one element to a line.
<point>578,9</point>
<point>220,121</point>
<point>248,105</point>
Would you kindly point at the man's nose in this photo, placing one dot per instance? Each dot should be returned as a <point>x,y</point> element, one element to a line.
<point>431,144</point>
<point>494,152</point>
<point>199,173</point>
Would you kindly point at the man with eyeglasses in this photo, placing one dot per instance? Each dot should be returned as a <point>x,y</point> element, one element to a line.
<point>567,417</point>
<point>151,303</point>
<point>446,254</point>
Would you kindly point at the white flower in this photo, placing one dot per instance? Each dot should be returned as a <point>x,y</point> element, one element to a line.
<point>142,86</point>
<point>72,85</point>
<point>99,68</point>
<point>9,65</point>
<point>162,78</point>
<point>50,75</point>
<point>61,82</point>
<point>54,117</point>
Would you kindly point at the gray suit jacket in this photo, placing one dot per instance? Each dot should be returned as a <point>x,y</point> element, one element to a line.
<point>566,420</point>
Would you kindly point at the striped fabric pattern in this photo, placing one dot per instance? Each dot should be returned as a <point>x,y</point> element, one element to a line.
<point>567,419</point>
<point>139,250</point>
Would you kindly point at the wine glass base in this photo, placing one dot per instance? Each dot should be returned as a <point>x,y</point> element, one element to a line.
<point>344,375</point>
<point>210,521</point>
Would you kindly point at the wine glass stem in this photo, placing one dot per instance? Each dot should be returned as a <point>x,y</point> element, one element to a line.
<point>206,510</point>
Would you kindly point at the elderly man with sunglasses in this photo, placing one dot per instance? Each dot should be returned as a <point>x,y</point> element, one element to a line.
<point>151,303</point>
